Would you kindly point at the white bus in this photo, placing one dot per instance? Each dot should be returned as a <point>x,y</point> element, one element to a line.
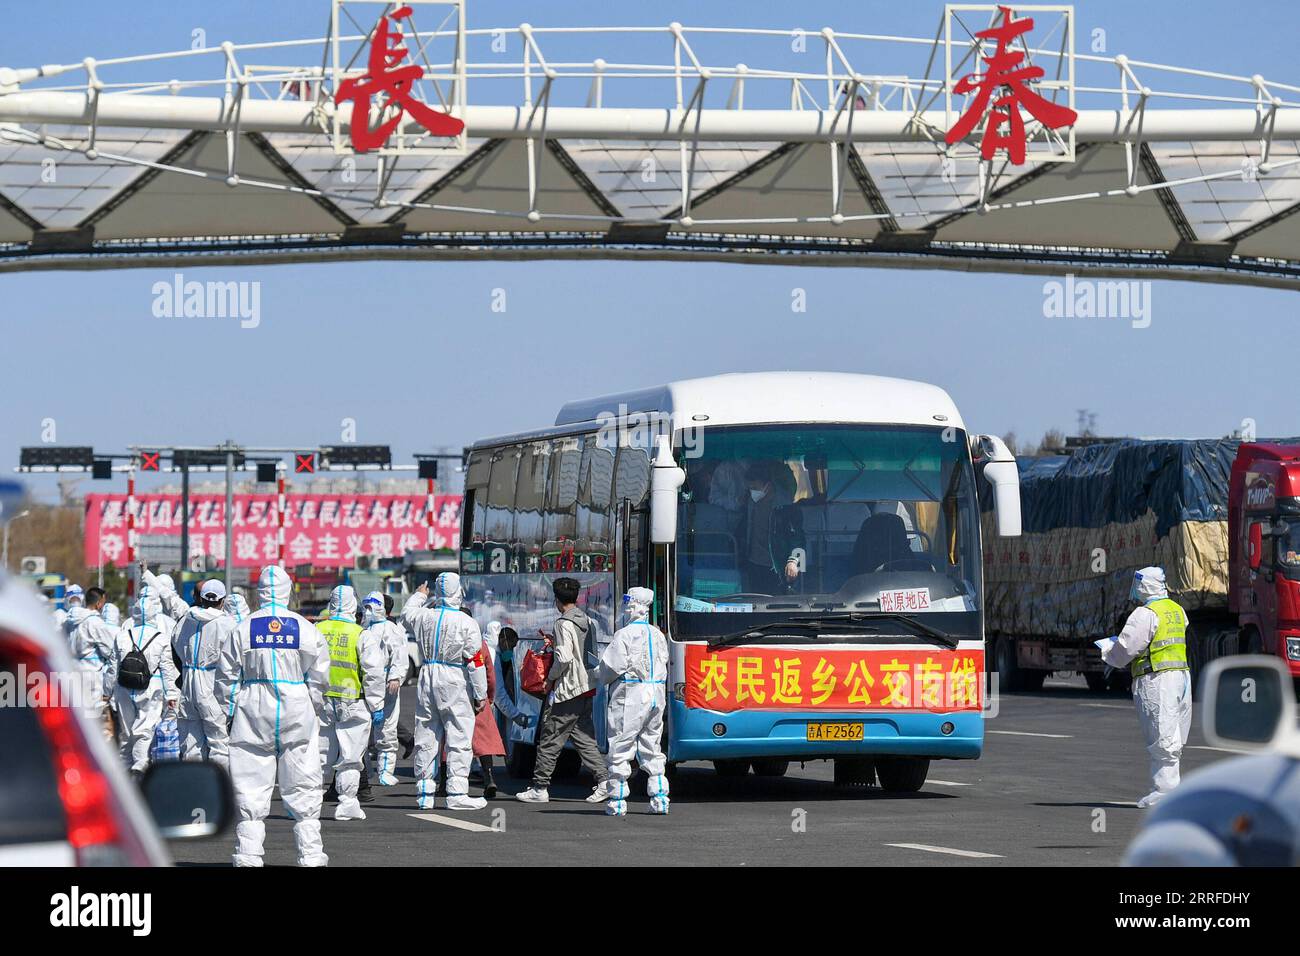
<point>813,541</point>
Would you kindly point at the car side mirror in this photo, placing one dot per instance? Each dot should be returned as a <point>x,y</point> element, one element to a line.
<point>189,799</point>
<point>1249,703</point>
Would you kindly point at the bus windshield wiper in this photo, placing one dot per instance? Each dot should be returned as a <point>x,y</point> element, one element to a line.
<point>739,636</point>
<point>861,617</point>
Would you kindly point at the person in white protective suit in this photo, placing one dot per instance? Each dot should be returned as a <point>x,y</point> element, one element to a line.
<point>75,611</point>
<point>503,650</point>
<point>139,710</point>
<point>174,606</point>
<point>197,644</point>
<point>92,645</point>
<point>392,637</point>
<point>354,697</point>
<point>271,676</point>
<point>236,606</point>
<point>111,614</point>
<point>635,666</point>
<point>1153,644</point>
<point>452,688</point>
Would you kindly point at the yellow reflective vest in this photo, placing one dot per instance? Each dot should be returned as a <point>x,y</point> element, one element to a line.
<point>1168,648</point>
<point>344,640</point>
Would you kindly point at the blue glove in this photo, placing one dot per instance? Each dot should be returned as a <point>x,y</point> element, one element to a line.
<point>378,716</point>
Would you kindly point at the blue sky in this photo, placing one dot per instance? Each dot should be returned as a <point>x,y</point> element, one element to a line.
<point>414,353</point>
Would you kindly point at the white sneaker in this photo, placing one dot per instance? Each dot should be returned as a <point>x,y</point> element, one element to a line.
<point>465,802</point>
<point>599,793</point>
<point>534,795</point>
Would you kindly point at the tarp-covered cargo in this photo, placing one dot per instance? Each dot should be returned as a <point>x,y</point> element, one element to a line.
<point>1093,518</point>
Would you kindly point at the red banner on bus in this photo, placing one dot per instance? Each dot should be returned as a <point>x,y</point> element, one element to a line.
<point>764,678</point>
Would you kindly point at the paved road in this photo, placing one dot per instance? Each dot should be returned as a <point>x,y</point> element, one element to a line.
<point>1055,787</point>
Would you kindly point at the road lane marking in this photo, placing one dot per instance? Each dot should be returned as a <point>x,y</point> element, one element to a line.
<point>452,822</point>
<point>947,783</point>
<point>948,850</point>
<point>1025,733</point>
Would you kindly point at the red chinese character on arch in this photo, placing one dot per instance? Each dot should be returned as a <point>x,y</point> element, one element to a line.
<point>383,76</point>
<point>1007,77</point>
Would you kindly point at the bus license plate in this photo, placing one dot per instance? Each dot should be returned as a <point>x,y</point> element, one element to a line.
<point>821,730</point>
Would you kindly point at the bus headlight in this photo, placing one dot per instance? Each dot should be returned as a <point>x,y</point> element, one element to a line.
<point>1293,648</point>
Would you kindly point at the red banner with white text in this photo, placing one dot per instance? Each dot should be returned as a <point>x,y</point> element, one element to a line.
<point>327,530</point>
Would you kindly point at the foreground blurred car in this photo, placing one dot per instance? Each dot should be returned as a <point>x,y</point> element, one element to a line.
<point>1244,811</point>
<point>65,798</point>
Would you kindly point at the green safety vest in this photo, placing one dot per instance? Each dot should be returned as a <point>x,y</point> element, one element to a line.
<point>1168,648</point>
<point>344,640</point>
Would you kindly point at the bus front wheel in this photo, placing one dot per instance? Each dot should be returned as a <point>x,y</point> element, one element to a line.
<point>731,768</point>
<point>902,774</point>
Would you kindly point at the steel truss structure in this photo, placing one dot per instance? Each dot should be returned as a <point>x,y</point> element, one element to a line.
<point>661,152</point>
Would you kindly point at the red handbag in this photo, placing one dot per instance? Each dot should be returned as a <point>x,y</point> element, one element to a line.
<point>533,671</point>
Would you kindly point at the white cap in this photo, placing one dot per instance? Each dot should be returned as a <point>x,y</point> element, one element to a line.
<point>212,589</point>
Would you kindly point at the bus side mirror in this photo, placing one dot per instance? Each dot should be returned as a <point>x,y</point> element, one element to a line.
<point>1256,544</point>
<point>999,467</point>
<point>665,480</point>
<point>1249,703</point>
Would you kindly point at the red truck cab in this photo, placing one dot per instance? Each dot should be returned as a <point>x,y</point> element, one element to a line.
<point>1264,550</point>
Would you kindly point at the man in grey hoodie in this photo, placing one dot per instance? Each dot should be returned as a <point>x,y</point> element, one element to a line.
<point>567,712</point>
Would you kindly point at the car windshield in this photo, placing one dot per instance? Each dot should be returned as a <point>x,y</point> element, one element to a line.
<point>781,518</point>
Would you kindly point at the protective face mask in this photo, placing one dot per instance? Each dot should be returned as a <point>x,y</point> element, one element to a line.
<point>756,494</point>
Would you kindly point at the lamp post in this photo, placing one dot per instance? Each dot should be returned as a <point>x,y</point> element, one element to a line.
<point>21,514</point>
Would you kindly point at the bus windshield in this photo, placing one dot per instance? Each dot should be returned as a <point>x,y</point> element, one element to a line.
<point>805,518</point>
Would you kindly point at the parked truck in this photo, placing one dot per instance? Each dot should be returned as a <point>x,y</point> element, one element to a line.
<point>1090,519</point>
<point>1264,550</point>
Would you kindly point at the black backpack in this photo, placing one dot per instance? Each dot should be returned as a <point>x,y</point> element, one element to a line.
<point>134,672</point>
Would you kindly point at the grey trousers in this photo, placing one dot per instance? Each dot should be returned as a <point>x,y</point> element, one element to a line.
<point>560,722</point>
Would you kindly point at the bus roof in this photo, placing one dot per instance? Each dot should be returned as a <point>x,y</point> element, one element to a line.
<point>740,398</point>
<point>772,397</point>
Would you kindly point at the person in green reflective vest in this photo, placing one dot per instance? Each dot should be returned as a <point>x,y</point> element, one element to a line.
<point>1153,645</point>
<point>354,697</point>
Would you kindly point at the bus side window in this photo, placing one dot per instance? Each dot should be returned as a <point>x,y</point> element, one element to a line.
<point>595,524</point>
<point>530,502</point>
<point>559,519</point>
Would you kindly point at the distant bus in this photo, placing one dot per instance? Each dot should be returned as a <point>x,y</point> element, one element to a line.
<point>53,585</point>
<point>813,541</point>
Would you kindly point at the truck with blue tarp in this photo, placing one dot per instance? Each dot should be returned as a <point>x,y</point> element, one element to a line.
<point>1090,519</point>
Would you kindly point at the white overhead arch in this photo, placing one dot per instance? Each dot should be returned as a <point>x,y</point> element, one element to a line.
<point>633,143</point>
